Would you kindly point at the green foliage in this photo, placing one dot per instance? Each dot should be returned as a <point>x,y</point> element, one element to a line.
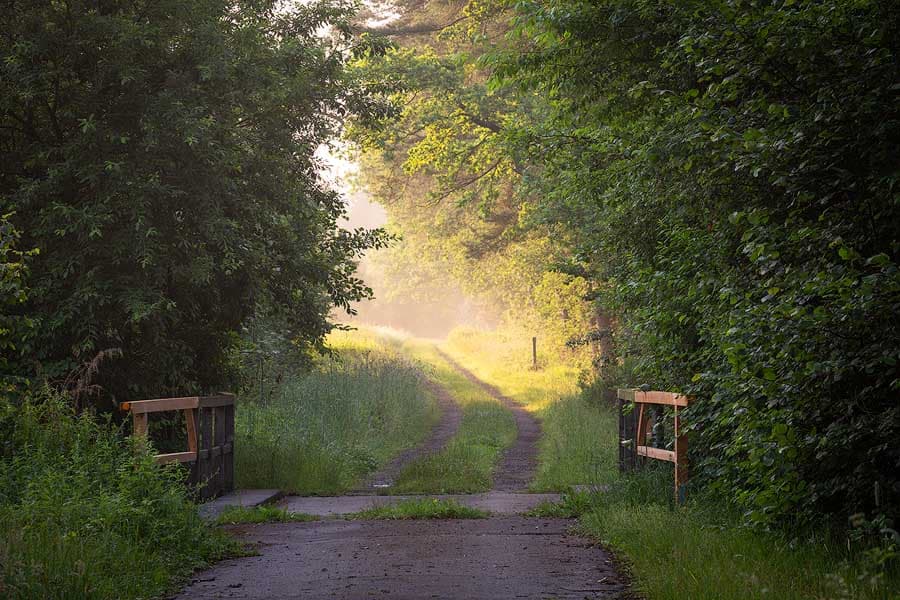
<point>727,171</point>
<point>13,292</point>
<point>161,157</point>
<point>421,508</point>
<point>86,514</point>
<point>236,515</point>
<point>572,504</point>
<point>442,166</point>
<point>322,431</point>
<point>721,177</point>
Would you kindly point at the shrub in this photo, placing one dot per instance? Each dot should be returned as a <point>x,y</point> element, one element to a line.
<point>86,513</point>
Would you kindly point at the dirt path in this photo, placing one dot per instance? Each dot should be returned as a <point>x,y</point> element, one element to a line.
<point>504,557</point>
<point>519,462</point>
<point>441,433</point>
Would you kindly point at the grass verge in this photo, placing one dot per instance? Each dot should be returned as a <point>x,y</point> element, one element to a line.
<point>421,508</point>
<point>237,515</point>
<point>325,430</point>
<point>465,465</point>
<point>86,513</point>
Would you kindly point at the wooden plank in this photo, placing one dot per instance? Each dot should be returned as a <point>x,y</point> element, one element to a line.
<point>218,400</point>
<point>625,394</point>
<point>190,424</point>
<point>228,448</point>
<point>140,424</point>
<point>206,441</point>
<point>681,461</point>
<point>176,457</point>
<point>657,453</point>
<point>220,455</point>
<point>622,437</point>
<point>160,404</point>
<point>641,433</point>
<point>665,398</point>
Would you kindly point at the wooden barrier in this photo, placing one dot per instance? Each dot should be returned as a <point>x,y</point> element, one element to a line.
<point>635,425</point>
<point>209,422</point>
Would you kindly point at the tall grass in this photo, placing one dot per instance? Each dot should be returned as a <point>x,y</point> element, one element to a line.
<point>487,428</point>
<point>84,514</point>
<point>699,551</point>
<point>323,431</point>
<point>574,446</point>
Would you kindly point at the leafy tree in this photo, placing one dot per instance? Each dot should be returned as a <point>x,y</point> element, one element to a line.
<point>446,164</point>
<point>14,328</point>
<point>160,154</point>
<point>728,172</point>
<point>720,178</point>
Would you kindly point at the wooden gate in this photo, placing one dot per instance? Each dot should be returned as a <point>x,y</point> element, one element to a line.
<point>636,421</point>
<point>209,422</point>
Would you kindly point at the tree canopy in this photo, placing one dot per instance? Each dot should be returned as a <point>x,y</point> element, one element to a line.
<point>161,157</point>
<point>722,176</point>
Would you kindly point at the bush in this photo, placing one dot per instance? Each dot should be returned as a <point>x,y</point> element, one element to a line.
<point>728,176</point>
<point>84,513</point>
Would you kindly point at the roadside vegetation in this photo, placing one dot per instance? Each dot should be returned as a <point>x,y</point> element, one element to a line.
<point>322,431</point>
<point>487,428</point>
<point>421,508</point>
<point>701,550</point>
<point>237,515</point>
<point>81,506</point>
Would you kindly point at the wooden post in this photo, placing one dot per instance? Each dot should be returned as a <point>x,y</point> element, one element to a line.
<point>220,436</point>
<point>534,353</point>
<point>624,455</point>
<point>140,424</point>
<point>229,449</point>
<point>204,457</point>
<point>681,465</point>
<point>628,429</point>
<point>190,424</point>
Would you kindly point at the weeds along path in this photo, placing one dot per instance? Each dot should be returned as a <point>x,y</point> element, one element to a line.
<point>519,462</point>
<point>440,435</point>
<point>506,555</point>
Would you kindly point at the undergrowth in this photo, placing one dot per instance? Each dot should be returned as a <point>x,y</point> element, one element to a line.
<point>236,515</point>
<point>87,514</point>
<point>324,430</point>
<point>573,449</point>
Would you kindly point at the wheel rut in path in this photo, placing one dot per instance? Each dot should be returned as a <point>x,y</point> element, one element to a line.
<point>519,462</point>
<point>442,432</point>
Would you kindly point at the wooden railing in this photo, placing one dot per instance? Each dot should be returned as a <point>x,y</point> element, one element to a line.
<point>636,420</point>
<point>209,422</point>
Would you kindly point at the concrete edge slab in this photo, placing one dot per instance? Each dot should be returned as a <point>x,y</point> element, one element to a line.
<point>245,498</point>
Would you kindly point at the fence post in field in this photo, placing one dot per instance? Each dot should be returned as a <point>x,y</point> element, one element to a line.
<point>534,353</point>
